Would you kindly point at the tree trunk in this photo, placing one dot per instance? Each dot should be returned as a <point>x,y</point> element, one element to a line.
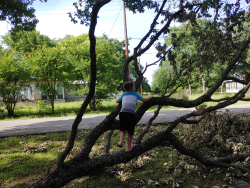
<point>189,85</point>
<point>9,107</point>
<point>221,91</point>
<point>203,83</point>
<point>247,78</point>
<point>81,165</point>
<point>92,104</point>
<point>190,89</point>
<point>10,112</point>
<point>52,104</point>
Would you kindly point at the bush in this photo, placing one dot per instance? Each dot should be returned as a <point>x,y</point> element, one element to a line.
<point>184,96</point>
<point>1,109</point>
<point>42,105</point>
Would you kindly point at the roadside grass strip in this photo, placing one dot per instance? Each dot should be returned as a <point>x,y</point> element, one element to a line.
<point>31,111</point>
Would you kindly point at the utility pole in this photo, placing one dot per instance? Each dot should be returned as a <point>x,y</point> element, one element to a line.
<point>140,70</point>
<point>125,32</point>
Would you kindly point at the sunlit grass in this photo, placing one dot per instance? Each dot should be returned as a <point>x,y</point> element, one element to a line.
<point>30,156</point>
<point>67,109</point>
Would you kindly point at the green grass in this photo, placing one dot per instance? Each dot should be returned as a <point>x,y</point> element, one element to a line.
<point>24,159</point>
<point>61,110</point>
<point>31,111</point>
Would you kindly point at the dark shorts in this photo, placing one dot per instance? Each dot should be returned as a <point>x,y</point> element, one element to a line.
<point>127,122</point>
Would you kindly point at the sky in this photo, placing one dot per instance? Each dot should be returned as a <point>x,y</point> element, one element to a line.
<point>55,23</point>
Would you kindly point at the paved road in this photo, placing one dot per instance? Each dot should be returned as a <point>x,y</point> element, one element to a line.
<point>46,125</point>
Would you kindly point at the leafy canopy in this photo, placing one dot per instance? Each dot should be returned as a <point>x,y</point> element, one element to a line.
<point>26,41</point>
<point>14,75</point>
<point>110,55</point>
<point>18,14</point>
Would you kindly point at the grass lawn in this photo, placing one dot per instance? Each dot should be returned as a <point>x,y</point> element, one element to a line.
<point>32,111</point>
<point>24,159</point>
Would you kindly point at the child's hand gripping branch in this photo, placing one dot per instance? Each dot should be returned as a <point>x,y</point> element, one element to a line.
<point>127,113</point>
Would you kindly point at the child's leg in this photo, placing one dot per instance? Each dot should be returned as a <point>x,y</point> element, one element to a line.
<point>129,143</point>
<point>122,135</point>
<point>131,129</point>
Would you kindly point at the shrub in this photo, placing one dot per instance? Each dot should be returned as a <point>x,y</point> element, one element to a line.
<point>184,96</point>
<point>42,105</point>
<point>1,109</point>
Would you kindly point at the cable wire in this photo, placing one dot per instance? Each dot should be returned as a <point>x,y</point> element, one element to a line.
<point>115,21</point>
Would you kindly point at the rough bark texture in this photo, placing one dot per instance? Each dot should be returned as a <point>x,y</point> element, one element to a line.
<point>203,82</point>
<point>221,90</point>
<point>45,182</point>
<point>81,165</point>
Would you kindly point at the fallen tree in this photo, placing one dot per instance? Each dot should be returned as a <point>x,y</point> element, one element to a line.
<point>220,41</point>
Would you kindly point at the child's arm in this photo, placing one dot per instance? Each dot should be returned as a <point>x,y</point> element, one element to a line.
<point>146,99</point>
<point>117,101</point>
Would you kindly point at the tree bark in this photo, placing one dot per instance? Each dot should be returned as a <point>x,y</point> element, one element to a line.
<point>203,83</point>
<point>81,165</point>
<point>52,105</point>
<point>189,86</point>
<point>221,91</point>
<point>78,167</point>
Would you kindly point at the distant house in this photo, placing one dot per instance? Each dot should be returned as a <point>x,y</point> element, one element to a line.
<point>232,86</point>
<point>34,94</point>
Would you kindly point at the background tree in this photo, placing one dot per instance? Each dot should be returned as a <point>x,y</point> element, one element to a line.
<point>14,75</point>
<point>188,48</point>
<point>26,41</point>
<point>18,14</point>
<point>215,40</point>
<point>162,76</point>
<point>50,67</point>
<point>110,55</point>
<point>241,70</point>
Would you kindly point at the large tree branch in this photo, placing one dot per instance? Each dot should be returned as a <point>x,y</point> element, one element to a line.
<point>146,129</point>
<point>81,165</point>
<point>236,80</point>
<point>199,157</point>
<point>195,121</point>
<point>204,98</point>
<point>107,142</point>
<point>151,27</point>
<point>77,167</point>
<point>151,64</point>
<point>183,119</point>
<point>125,69</point>
<point>104,126</point>
<point>70,144</point>
<point>91,93</point>
<point>153,39</point>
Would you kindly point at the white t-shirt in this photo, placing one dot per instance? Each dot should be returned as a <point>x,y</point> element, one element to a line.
<point>129,101</point>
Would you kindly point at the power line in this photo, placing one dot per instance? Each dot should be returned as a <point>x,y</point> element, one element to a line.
<point>115,21</point>
<point>67,13</point>
<point>68,4</point>
<point>56,9</point>
<point>69,10</point>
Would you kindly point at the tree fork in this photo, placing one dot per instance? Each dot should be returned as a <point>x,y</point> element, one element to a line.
<point>81,165</point>
<point>56,171</point>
